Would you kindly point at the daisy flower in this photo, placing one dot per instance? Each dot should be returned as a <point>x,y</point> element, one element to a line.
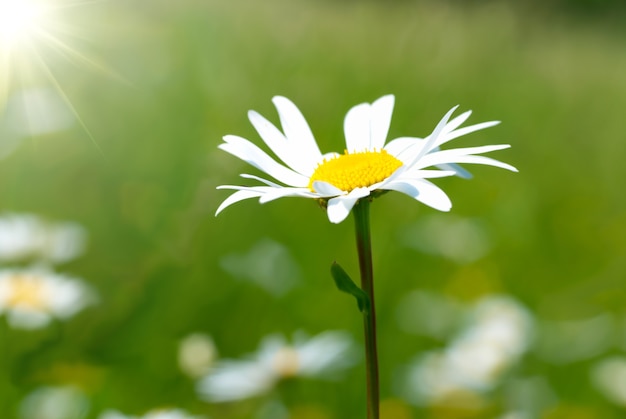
<point>32,298</point>
<point>368,164</point>
<point>63,402</point>
<point>476,361</point>
<point>319,357</point>
<point>196,354</point>
<point>26,236</point>
<point>609,376</point>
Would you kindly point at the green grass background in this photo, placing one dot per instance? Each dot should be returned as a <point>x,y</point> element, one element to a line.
<point>189,71</point>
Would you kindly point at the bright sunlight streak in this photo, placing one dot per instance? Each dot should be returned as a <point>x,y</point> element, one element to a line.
<point>22,27</point>
<point>18,20</point>
<point>29,31</point>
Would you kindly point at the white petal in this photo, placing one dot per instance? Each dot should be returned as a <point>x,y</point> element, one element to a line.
<point>398,145</point>
<point>276,141</point>
<point>457,122</point>
<point>235,380</point>
<point>270,193</point>
<point>394,176</point>
<point>276,193</point>
<point>486,161</point>
<point>250,153</point>
<point>356,128</point>
<point>458,170</point>
<point>298,134</point>
<point>464,131</point>
<point>260,179</point>
<point>406,149</point>
<point>339,207</point>
<point>380,113</point>
<point>27,318</point>
<point>326,189</point>
<point>326,353</point>
<point>423,191</point>
<point>432,139</point>
<point>426,174</point>
<point>236,197</point>
<point>69,297</point>
<point>443,157</point>
<point>447,156</point>
<point>268,348</point>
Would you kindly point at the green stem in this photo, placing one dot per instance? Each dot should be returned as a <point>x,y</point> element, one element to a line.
<point>364,247</point>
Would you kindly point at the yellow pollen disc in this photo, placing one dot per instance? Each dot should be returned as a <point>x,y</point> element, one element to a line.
<point>356,170</point>
<point>286,362</point>
<point>26,291</point>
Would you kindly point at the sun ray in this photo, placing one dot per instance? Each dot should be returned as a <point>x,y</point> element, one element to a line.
<point>29,28</point>
<point>57,86</point>
<point>78,58</point>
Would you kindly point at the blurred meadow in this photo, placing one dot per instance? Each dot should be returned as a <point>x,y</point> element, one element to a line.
<point>127,154</point>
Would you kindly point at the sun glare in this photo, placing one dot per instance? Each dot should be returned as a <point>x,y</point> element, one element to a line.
<point>18,20</point>
<point>34,34</point>
<point>21,23</point>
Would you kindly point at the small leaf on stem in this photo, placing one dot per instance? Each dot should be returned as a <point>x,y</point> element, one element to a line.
<point>344,283</point>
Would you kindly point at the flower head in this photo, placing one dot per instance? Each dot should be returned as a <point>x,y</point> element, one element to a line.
<point>368,163</point>
<point>26,236</point>
<point>476,360</point>
<point>196,354</point>
<point>65,402</point>
<point>31,298</point>
<point>320,356</point>
<point>608,375</point>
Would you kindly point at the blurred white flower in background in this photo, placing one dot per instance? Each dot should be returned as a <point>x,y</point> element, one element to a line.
<point>609,377</point>
<point>54,403</point>
<point>31,298</point>
<point>196,354</point>
<point>153,414</point>
<point>496,336</point>
<point>29,237</point>
<point>461,240</point>
<point>32,112</point>
<point>500,322</point>
<point>322,356</point>
<point>268,264</point>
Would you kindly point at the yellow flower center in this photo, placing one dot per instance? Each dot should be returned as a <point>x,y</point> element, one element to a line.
<point>356,170</point>
<point>26,291</point>
<point>286,362</point>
